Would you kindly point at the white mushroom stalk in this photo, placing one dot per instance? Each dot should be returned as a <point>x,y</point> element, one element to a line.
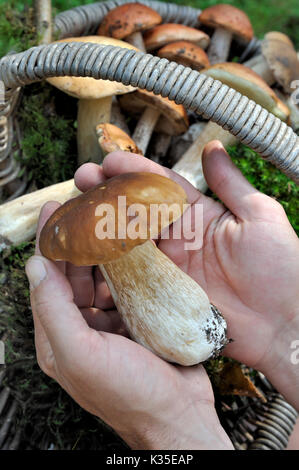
<point>136,39</point>
<point>220,45</point>
<point>164,309</point>
<point>90,114</point>
<point>190,164</point>
<point>259,65</point>
<point>145,127</point>
<point>18,218</point>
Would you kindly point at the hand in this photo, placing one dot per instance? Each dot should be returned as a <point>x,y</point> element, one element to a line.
<point>151,404</point>
<point>248,265</point>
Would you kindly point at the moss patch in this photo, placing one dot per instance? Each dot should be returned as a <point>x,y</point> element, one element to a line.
<point>47,120</point>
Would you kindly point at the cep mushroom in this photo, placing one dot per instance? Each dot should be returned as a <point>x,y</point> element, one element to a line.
<point>153,107</point>
<point>185,53</point>
<point>248,83</point>
<point>95,101</point>
<point>164,309</point>
<point>111,138</point>
<point>227,21</point>
<point>168,33</point>
<point>278,61</point>
<point>18,218</point>
<point>128,21</point>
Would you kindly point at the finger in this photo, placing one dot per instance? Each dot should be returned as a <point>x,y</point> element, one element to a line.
<point>81,281</point>
<point>103,297</point>
<point>110,322</point>
<point>52,303</point>
<point>46,211</point>
<point>88,176</point>
<point>227,181</point>
<point>124,162</point>
<point>44,351</point>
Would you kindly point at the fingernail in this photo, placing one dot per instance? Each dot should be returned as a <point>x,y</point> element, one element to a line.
<point>36,271</point>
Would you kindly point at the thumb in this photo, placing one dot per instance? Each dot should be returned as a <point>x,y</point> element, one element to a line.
<point>227,181</point>
<point>52,303</point>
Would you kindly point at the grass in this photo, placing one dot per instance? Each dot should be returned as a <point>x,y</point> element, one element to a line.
<point>47,120</point>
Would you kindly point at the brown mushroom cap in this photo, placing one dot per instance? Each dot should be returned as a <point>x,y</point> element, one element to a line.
<point>87,87</point>
<point>172,32</point>
<point>281,58</point>
<point>112,138</point>
<point>70,233</point>
<point>174,120</point>
<point>185,53</point>
<point>278,36</point>
<point>250,84</point>
<point>229,18</point>
<point>128,19</point>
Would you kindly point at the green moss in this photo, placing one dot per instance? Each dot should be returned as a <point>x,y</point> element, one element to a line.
<point>46,118</point>
<point>17,30</point>
<point>268,179</point>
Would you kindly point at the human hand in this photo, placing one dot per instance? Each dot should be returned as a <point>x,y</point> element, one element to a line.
<point>248,264</point>
<point>150,403</point>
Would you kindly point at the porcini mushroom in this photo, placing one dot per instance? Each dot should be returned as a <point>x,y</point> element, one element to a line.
<point>278,61</point>
<point>167,33</point>
<point>249,84</point>
<point>151,107</point>
<point>18,218</point>
<point>163,308</point>
<point>227,21</point>
<point>112,138</point>
<point>95,101</point>
<point>185,53</point>
<point>128,21</point>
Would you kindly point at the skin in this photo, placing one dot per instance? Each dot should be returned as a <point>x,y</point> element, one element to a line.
<point>248,265</point>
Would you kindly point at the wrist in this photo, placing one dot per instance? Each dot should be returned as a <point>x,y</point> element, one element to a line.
<point>281,366</point>
<point>195,430</point>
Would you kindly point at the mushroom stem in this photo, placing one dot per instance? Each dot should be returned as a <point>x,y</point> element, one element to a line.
<point>18,218</point>
<point>90,114</point>
<point>117,117</point>
<point>164,309</point>
<point>145,127</point>
<point>44,21</point>
<point>190,165</point>
<point>161,146</point>
<point>259,65</point>
<point>220,46</point>
<point>136,39</point>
